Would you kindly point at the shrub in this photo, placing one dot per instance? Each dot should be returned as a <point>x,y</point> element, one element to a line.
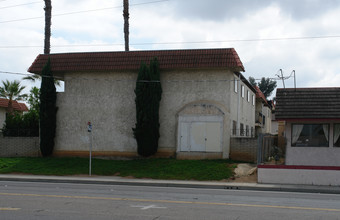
<point>148,95</point>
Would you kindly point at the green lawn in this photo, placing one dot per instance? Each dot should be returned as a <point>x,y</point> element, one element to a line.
<point>139,168</point>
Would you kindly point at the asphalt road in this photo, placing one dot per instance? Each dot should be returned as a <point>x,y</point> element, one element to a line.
<point>27,200</point>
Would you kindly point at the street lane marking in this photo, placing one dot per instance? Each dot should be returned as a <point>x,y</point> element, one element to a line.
<point>174,202</point>
<point>9,209</point>
<point>145,207</point>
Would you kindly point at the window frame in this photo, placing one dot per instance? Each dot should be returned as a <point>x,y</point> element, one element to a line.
<point>310,135</point>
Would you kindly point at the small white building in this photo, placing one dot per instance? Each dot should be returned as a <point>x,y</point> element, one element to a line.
<point>312,125</point>
<point>204,98</point>
<point>312,135</point>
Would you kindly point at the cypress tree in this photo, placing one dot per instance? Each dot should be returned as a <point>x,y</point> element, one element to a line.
<point>148,96</point>
<point>48,111</point>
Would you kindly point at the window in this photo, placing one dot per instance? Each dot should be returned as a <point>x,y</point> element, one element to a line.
<point>336,136</point>
<point>253,100</point>
<point>241,130</point>
<point>247,130</point>
<point>242,91</point>
<point>234,128</point>
<point>252,132</point>
<point>263,119</point>
<point>235,85</point>
<point>248,96</point>
<point>310,135</point>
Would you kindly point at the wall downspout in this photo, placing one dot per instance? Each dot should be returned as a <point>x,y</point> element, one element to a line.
<point>238,106</point>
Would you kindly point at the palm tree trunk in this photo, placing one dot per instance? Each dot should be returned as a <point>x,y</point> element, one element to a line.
<point>10,109</point>
<point>48,17</point>
<point>126,23</point>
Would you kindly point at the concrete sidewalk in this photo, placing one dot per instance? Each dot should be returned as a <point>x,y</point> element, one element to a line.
<point>114,180</point>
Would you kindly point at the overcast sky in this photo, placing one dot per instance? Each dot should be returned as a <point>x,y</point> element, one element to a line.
<point>268,35</point>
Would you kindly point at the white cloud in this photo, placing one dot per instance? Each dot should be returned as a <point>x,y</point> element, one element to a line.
<point>316,61</point>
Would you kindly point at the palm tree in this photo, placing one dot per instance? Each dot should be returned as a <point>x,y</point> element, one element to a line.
<point>12,91</point>
<point>48,17</point>
<point>47,41</point>
<point>35,77</point>
<point>126,23</point>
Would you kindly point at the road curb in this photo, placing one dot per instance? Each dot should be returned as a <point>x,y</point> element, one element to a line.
<point>155,183</point>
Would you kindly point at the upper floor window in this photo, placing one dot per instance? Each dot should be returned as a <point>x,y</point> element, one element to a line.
<point>234,128</point>
<point>248,96</point>
<point>242,91</point>
<point>235,85</point>
<point>310,135</point>
<point>253,100</point>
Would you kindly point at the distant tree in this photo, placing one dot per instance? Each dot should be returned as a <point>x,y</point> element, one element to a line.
<point>48,111</point>
<point>12,91</point>
<point>252,81</point>
<point>34,99</point>
<point>266,85</point>
<point>148,95</point>
<point>126,23</point>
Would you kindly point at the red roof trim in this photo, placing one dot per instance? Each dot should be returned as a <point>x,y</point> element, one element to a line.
<point>259,94</point>
<point>131,60</point>
<point>300,167</point>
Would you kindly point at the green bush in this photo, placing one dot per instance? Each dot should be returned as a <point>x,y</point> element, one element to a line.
<point>22,125</point>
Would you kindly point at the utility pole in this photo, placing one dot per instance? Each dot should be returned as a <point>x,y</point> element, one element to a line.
<point>48,17</point>
<point>126,23</point>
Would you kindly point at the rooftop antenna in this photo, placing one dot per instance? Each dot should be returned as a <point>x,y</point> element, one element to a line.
<point>294,79</point>
<point>281,77</point>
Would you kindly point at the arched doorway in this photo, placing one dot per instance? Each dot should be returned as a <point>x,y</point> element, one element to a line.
<point>200,128</point>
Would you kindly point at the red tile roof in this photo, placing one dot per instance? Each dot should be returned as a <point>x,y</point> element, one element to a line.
<point>168,59</point>
<point>17,106</point>
<point>259,94</point>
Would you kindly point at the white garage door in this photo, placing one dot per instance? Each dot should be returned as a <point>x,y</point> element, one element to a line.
<point>200,134</point>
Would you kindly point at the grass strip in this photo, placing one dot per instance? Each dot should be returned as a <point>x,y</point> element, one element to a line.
<point>138,168</point>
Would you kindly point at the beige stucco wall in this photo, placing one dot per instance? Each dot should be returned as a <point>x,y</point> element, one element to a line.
<point>241,110</point>
<point>107,100</point>
<point>2,117</point>
<point>314,156</point>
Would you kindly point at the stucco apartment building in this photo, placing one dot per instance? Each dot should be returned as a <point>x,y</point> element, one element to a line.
<point>205,98</point>
<point>263,114</point>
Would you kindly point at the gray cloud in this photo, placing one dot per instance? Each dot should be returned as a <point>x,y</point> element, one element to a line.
<point>222,9</point>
